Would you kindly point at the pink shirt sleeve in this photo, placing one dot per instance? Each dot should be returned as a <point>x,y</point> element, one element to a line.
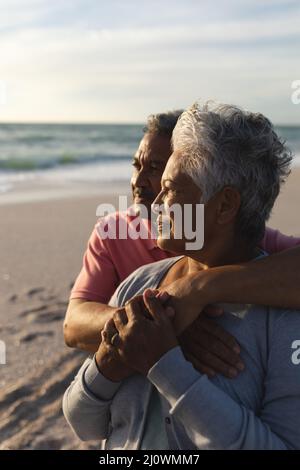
<point>98,278</point>
<point>275,241</point>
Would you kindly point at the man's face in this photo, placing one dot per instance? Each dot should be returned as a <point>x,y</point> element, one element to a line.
<point>149,163</point>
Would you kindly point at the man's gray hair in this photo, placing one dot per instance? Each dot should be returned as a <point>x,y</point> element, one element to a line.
<point>224,145</point>
<point>163,123</point>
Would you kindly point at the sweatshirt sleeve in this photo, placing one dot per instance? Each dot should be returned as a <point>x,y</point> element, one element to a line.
<point>207,412</point>
<point>87,401</point>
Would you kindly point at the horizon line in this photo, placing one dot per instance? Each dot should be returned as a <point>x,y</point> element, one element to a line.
<point>105,123</point>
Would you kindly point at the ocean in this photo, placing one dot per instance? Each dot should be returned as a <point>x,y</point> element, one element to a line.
<point>79,152</point>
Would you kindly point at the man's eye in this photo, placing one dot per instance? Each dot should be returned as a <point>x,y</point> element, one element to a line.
<point>154,168</point>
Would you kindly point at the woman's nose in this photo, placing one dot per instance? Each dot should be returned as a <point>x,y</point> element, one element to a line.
<point>156,204</point>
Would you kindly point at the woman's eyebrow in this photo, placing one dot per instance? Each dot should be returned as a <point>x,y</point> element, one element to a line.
<point>169,180</point>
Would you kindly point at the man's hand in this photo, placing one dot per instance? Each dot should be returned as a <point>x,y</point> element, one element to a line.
<point>206,344</point>
<point>142,340</point>
<point>108,360</point>
<point>211,349</point>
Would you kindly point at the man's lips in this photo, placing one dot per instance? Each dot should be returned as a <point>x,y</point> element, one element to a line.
<point>144,195</point>
<point>141,198</point>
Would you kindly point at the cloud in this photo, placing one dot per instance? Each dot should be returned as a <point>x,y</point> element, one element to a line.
<point>89,67</point>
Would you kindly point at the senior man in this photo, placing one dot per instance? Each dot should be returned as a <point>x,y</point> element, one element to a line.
<point>139,391</point>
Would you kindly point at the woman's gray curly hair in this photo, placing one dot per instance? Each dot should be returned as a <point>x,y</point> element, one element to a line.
<point>224,145</point>
<point>162,123</point>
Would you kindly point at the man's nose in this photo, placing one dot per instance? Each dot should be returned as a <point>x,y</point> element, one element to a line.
<point>140,178</point>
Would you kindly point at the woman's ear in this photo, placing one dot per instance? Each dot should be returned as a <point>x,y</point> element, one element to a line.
<point>229,203</point>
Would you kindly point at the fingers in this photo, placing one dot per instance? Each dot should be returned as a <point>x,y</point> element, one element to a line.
<point>199,366</point>
<point>133,309</point>
<point>216,330</point>
<point>163,296</point>
<point>120,319</point>
<point>210,350</point>
<point>108,332</point>
<point>213,363</point>
<point>109,328</point>
<point>154,305</point>
<point>224,359</point>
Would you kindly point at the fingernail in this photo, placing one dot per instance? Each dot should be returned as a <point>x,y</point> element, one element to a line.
<point>233,372</point>
<point>237,349</point>
<point>240,366</point>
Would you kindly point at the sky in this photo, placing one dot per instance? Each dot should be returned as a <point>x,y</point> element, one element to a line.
<point>120,60</point>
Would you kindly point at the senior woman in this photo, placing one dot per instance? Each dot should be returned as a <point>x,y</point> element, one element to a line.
<point>139,391</point>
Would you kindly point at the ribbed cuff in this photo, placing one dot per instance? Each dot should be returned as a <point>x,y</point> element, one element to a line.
<point>97,384</point>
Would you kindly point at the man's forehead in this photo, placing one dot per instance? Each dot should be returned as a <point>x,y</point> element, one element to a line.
<point>153,147</point>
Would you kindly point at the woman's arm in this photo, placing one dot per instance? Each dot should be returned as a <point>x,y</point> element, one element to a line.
<point>206,412</point>
<point>86,413</point>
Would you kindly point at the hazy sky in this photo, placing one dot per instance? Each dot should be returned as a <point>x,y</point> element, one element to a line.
<point>119,60</point>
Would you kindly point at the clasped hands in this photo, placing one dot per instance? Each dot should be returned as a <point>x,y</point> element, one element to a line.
<point>147,327</point>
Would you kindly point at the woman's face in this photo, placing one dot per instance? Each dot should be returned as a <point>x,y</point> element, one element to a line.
<point>177,189</point>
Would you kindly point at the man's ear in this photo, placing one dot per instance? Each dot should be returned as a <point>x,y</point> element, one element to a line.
<point>229,202</point>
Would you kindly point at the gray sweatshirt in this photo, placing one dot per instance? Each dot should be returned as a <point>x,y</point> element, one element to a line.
<point>260,409</point>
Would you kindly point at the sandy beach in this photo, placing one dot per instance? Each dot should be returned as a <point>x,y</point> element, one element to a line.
<point>42,243</point>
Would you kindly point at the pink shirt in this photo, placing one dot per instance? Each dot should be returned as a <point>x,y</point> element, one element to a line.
<point>274,241</point>
<point>107,262</point>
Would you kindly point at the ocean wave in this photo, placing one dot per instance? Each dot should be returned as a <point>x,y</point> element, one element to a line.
<point>28,164</point>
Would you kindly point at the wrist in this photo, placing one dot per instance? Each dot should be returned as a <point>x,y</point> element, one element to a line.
<point>219,284</point>
<point>171,345</point>
<point>107,368</point>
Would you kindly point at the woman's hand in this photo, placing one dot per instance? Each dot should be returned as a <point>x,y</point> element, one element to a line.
<point>108,360</point>
<point>143,338</point>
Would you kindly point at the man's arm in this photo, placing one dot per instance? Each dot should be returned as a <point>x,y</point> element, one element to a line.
<point>83,323</point>
<point>273,281</point>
